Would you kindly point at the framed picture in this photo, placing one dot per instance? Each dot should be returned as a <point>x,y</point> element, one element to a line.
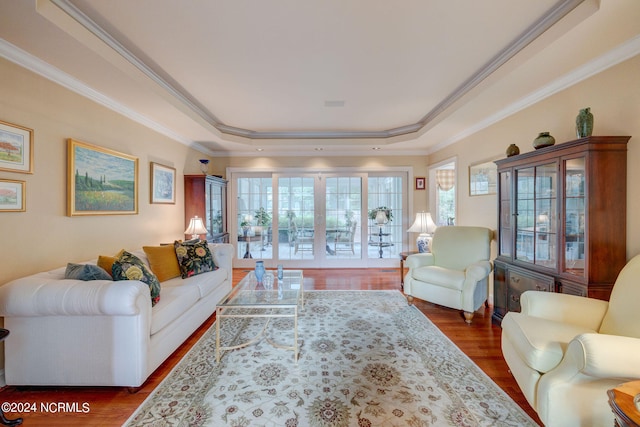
<point>12,196</point>
<point>16,148</point>
<point>163,184</point>
<point>483,178</point>
<point>421,183</point>
<point>100,181</point>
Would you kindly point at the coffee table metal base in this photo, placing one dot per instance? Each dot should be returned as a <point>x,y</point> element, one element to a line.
<point>220,314</point>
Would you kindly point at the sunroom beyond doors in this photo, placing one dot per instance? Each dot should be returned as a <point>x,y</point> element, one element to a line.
<point>319,219</point>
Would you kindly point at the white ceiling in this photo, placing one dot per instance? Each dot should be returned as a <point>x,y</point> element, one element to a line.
<point>291,76</point>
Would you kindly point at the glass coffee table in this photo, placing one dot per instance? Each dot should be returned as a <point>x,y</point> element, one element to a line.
<point>250,299</point>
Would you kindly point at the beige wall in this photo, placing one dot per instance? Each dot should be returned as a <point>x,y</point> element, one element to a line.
<point>43,237</point>
<point>614,98</point>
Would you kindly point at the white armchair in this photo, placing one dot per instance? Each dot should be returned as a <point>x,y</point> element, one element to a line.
<point>455,273</point>
<point>566,351</point>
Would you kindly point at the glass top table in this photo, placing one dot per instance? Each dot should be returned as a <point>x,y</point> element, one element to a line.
<point>273,298</point>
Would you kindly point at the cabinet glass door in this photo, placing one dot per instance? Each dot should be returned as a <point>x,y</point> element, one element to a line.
<point>506,236</point>
<point>536,201</point>
<point>215,198</point>
<point>574,215</point>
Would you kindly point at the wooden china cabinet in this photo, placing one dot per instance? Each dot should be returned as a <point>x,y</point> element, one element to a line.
<point>206,197</point>
<point>561,220</point>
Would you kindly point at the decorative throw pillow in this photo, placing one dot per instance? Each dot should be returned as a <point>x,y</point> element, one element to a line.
<point>106,262</point>
<point>86,272</point>
<point>130,267</point>
<point>163,261</point>
<point>194,258</point>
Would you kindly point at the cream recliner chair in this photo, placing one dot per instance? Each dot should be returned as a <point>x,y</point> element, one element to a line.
<point>566,351</point>
<point>455,273</point>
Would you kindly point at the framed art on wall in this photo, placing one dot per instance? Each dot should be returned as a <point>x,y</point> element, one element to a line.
<point>420,183</point>
<point>100,181</point>
<point>483,179</point>
<point>12,196</point>
<point>163,184</point>
<point>16,148</point>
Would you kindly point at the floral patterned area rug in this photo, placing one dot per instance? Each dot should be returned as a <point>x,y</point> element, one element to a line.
<point>367,358</point>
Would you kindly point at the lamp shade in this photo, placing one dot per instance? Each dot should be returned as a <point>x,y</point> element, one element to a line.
<point>195,228</point>
<point>425,226</point>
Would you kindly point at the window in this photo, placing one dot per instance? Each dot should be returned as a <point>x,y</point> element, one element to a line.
<point>443,186</point>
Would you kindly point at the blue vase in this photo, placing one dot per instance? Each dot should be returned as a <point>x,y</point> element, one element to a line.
<point>259,271</point>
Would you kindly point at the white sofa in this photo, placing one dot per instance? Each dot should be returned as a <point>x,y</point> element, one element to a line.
<point>101,332</point>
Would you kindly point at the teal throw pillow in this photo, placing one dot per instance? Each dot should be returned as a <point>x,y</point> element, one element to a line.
<point>194,258</point>
<point>86,272</point>
<point>130,267</point>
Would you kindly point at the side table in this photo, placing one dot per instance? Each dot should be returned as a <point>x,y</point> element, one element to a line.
<point>4,420</point>
<point>621,400</point>
<point>403,256</point>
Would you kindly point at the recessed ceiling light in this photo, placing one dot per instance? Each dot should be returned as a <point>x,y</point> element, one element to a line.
<point>259,149</point>
<point>376,148</point>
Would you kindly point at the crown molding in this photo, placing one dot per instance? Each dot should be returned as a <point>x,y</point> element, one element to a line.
<point>557,12</point>
<point>619,54</point>
<point>24,59</point>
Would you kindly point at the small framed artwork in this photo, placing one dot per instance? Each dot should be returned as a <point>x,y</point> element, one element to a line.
<point>16,148</point>
<point>12,196</point>
<point>483,179</point>
<point>100,181</point>
<point>163,184</point>
<point>421,182</point>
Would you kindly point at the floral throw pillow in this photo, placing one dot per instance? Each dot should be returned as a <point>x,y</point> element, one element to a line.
<point>194,258</point>
<point>130,267</point>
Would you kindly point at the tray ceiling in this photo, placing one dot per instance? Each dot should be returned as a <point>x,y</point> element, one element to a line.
<point>292,76</point>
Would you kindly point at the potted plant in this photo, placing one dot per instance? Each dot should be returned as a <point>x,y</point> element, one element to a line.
<point>348,218</point>
<point>262,217</point>
<point>291,216</point>
<point>374,212</point>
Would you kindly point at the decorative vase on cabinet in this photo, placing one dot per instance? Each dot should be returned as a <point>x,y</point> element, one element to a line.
<point>544,139</point>
<point>513,150</point>
<point>584,123</point>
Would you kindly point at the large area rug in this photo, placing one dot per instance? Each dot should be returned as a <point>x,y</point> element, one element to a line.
<point>366,359</point>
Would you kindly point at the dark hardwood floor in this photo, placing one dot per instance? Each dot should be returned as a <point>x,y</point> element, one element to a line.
<point>112,406</point>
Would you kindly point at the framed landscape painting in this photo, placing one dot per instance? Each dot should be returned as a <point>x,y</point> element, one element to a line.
<point>100,181</point>
<point>16,148</point>
<point>163,184</point>
<point>12,196</point>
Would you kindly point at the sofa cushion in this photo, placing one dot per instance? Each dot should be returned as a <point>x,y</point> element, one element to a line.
<point>194,258</point>
<point>541,343</point>
<point>163,261</point>
<point>205,283</point>
<point>176,301</point>
<point>86,272</point>
<point>130,267</point>
<point>439,276</point>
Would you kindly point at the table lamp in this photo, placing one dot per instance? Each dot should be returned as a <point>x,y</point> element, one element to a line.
<point>425,226</point>
<point>195,228</point>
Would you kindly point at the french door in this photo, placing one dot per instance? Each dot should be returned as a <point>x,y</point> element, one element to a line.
<point>316,220</point>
